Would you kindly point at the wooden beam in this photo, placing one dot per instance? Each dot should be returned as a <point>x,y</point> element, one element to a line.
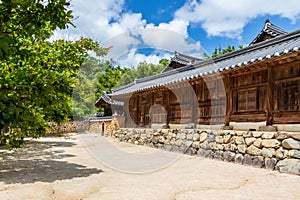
<point>270,96</point>
<point>228,99</point>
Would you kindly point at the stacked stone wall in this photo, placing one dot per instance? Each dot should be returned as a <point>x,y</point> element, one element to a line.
<point>270,150</point>
<point>69,127</point>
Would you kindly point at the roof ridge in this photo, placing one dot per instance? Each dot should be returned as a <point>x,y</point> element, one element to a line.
<point>269,28</point>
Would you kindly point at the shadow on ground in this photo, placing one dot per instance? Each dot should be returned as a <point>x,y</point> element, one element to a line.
<point>40,162</point>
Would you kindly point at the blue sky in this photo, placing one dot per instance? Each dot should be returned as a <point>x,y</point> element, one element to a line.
<point>133,27</point>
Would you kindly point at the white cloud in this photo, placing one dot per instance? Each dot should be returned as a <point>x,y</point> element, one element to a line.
<point>133,58</point>
<point>228,17</point>
<point>111,25</point>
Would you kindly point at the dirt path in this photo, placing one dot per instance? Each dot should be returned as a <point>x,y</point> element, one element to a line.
<point>62,168</point>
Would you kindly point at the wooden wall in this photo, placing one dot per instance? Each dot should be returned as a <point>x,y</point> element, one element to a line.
<point>267,91</point>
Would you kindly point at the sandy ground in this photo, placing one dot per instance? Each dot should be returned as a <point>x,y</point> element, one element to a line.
<point>65,168</point>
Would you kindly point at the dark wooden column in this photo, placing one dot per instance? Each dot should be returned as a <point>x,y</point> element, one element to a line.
<point>270,96</point>
<point>168,110</point>
<point>194,103</point>
<point>137,114</point>
<point>228,104</point>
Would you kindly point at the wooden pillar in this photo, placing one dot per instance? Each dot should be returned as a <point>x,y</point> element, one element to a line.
<point>137,106</point>
<point>167,106</point>
<point>194,103</point>
<point>270,102</point>
<point>228,99</point>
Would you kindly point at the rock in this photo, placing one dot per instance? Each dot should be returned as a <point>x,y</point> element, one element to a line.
<point>182,136</point>
<point>209,154</point>
<point>167,141</point>
<point>239,133</point>
<point>179,142</point>
<point>258,161</point>
<point>294,153</point>
<point>204,145</point>
<point>156,133</point>
<point>218,132</point>
<point>196,137</point>
<point>247,160</point>
<point>181,149</point>
<point>258,143</point>
<point>226,147</point>
<point>226,138</point>
<point>268,152</point>
<point>233,147</point>
<point>270,163</point>
<point>162,139</point>
<point>172,142</point>
<point>295,135</point>
<point>257,134</point>
<point>190,136</point>
<point>187,143</point>
<point>291,166</point>
<point>219,139</point>
<point>196,144</point>
<point>220,147</point>
<point>203,136</point>
<point>228,156</point>
<point>247,134</point>
<point>241,148</point>
<point>238,158</point>
<point>254,150</point>
<point>212,145</point>
<point>168,147</point>
<point>201,153</point>
<point>239,140</point>
<point>281,153</point>
<point>291,143</point>
<point>249,141</point>
<point>211,138</point>
<point>268,135</point>
<point>218,155</point>
<point>271,143</point>
<point>190,151</point>
<point>232,139</point>
<point>267,128</point>
<point>282,135</point>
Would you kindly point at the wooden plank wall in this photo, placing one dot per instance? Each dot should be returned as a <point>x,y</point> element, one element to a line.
<point>267,91</point>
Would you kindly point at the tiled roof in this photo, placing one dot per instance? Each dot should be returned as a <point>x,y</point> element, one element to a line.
<point>254,53</point>
<point>108,100</point>
<point>269,29</point>
<point>180,60</point>
<point>184,59</point>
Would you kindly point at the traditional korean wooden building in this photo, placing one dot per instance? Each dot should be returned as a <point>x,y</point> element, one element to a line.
<point>259,84</point>
<point>109,105</point>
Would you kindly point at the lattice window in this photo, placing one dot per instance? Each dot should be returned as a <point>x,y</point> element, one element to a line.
<point>289,97</point>
<point>247,100</point>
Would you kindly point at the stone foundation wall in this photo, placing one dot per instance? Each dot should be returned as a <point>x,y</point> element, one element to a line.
<point>270,150</point>
<point>96,127</point>
<point>69,127</point>
<point>93,126</point>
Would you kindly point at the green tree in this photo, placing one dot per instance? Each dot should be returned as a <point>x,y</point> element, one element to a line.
<point>142,70</point>
<point>36,76</point>
<point>95,77</point>
<point>219,51</point>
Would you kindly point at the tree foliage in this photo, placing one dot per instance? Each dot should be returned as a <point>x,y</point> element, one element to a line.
<point>95,77</point>
<point>219,51</point>
<point>36,76</point>
<point>142,70</point>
